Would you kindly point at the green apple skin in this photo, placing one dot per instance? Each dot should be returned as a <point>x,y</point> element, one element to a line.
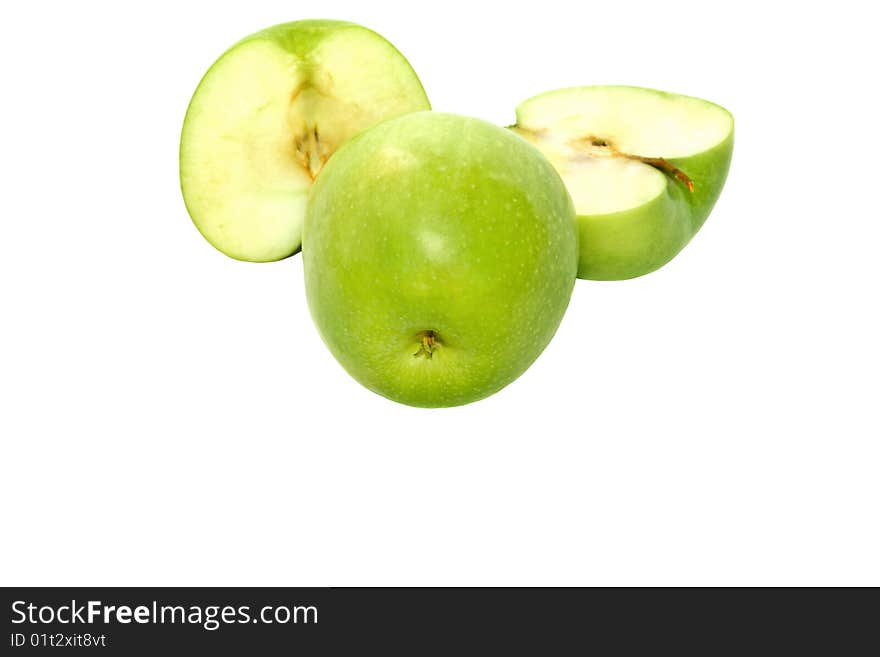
<point>437,224</point>
<point>244,191</point>
<point>300,37</point>
<point>632,243</point>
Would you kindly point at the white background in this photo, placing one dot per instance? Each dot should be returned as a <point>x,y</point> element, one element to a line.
<point>170,416</point>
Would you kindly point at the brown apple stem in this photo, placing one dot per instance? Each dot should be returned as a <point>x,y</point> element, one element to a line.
<point>666,167</point>
<point>593,146</point>
<point>659,163</point>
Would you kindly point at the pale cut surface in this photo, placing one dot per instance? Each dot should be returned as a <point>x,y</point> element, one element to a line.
<point>598,183</point>
<point>596,137</point>
<point>263,122</point>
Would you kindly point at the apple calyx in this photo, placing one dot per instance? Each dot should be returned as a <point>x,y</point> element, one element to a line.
<point>429,341</point>
<point>661,164</point>
<point>310,152</point>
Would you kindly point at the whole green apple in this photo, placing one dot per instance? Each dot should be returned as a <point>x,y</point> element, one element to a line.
<point>440,254</point>
<point>268,114</point>
<point>644,169</point>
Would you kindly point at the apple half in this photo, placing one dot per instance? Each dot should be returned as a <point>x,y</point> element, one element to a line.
<point>643,167</point>
<point>268,114</point>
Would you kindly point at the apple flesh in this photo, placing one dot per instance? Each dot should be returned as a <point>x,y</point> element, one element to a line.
<point>644,169</point>
<point>440,253</point>
<point>266,117</point>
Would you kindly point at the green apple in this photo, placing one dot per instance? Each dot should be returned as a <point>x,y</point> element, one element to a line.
<point>440,253</point>
<point>268,114</point>
<point>644,168</point>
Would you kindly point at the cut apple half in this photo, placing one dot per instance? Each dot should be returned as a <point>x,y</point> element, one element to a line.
<point>266,117</point>
<point>643,167</point>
